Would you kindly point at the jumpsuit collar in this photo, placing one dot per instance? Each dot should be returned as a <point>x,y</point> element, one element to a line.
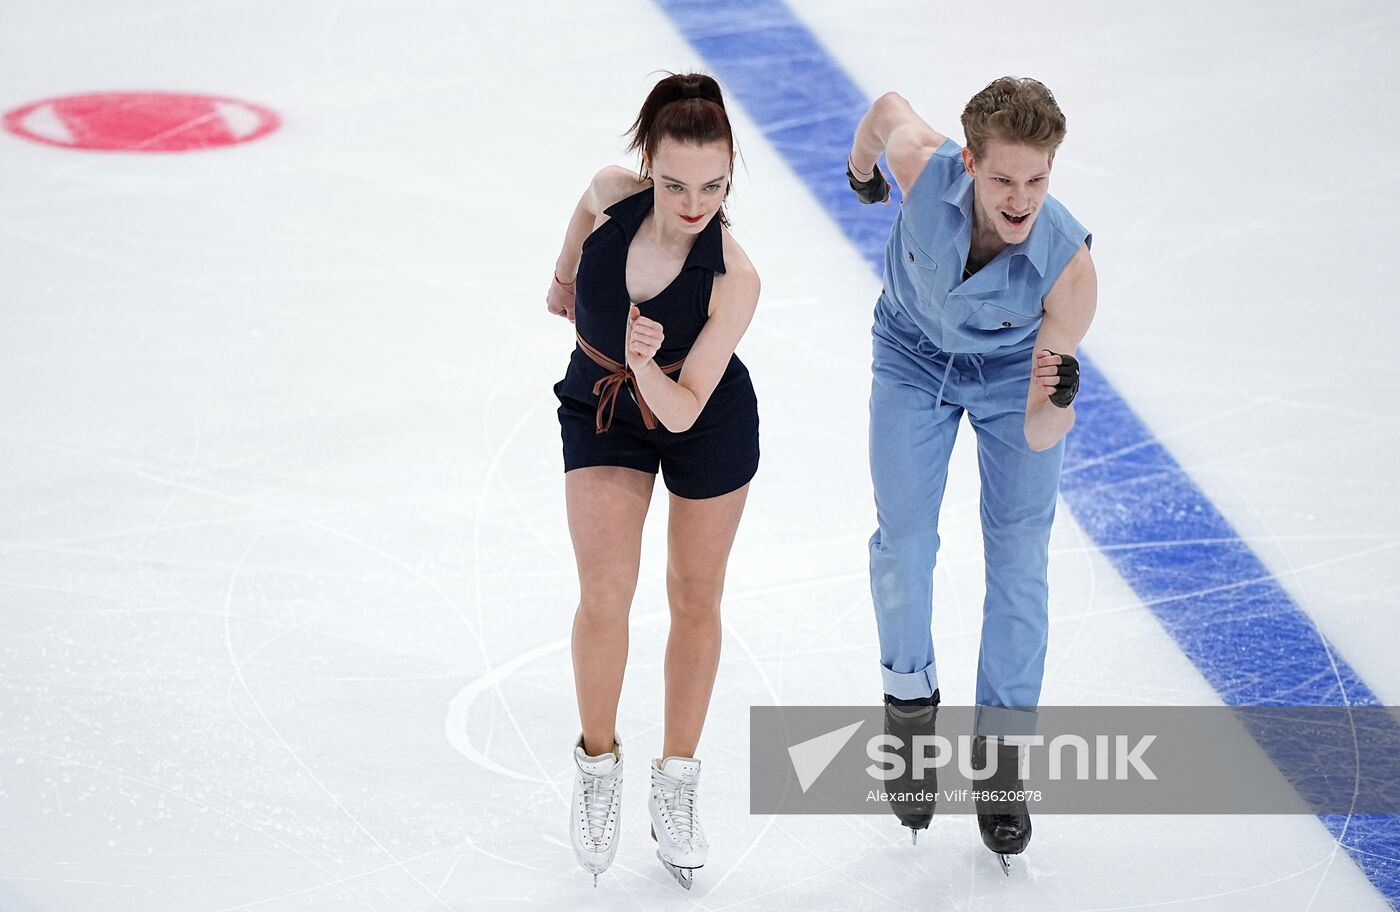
<point>707,252</point>
<point>1035,248</point>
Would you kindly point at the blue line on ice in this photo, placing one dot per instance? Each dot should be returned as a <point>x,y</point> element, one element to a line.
<point>1225,609</point>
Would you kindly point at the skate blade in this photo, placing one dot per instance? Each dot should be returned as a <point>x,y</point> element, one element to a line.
<point>684,876</point>
<point>1005,864</point>
<point>913,836</point>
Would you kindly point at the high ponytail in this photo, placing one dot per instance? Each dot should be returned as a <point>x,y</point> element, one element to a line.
<point>688,107</point>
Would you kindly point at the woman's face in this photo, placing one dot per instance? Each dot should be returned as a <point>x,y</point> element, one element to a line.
<point>690,182</point>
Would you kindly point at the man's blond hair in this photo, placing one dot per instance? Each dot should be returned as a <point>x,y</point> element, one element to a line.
<point>1013,109</point>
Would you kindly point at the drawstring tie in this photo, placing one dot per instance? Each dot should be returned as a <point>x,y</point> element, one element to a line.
<point>607,388</point>
<point>976,360</point>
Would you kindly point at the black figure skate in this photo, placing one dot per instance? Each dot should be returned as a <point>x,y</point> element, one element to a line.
<point>1002,816</point>
<point>906,719</point>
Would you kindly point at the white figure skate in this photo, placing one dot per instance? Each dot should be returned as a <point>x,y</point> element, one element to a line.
<point>597,807</point>
<point>675,825</point>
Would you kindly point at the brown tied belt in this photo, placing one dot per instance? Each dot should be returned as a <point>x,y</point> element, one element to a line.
<point>608,387</point>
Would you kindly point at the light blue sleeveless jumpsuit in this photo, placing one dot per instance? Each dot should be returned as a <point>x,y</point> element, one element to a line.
<point>943,346</point>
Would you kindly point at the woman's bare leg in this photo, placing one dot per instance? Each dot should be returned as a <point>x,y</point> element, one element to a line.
<point>607,506</point>
<point>700,534</point>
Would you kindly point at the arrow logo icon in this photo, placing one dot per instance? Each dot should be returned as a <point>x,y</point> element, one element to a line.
<point>811,757</point>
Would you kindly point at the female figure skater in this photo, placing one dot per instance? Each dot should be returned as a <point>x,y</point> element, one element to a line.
<point>660,295</point>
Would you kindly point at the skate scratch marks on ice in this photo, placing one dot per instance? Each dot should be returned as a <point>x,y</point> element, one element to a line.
<point>238,671</point>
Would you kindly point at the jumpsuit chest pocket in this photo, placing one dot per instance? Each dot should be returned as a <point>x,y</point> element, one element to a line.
<point>991,315</point>
<point>921,269</point>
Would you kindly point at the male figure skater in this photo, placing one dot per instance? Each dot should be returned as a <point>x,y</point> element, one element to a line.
<point>988,290</point>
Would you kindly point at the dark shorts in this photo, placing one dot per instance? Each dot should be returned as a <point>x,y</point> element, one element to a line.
<point>716,456</point>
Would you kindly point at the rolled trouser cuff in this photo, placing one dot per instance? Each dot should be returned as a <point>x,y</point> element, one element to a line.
<point>912,685</point>
<point>1005,721</point>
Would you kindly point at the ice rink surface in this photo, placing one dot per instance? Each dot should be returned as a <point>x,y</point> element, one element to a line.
<point>285,581</point>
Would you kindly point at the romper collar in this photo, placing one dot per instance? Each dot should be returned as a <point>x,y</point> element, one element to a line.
<point>708,250</point>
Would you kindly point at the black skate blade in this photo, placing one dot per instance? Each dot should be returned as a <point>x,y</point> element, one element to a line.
<point>1005,864</point>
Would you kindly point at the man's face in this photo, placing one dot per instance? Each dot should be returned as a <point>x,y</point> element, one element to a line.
<point>1010,182</point>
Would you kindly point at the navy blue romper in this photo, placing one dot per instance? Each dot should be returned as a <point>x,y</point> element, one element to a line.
<point>719,453</point>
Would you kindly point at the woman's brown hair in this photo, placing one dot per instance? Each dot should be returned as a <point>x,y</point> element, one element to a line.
<point>689,108</point>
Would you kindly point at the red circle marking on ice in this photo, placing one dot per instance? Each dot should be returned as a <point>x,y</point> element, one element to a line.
<point>141,121</point>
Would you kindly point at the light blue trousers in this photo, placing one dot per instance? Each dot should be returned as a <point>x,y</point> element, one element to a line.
<point>917,399</point>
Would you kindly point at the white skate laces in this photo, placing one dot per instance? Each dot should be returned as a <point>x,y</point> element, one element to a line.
<point>677,797</point>
<point>597,806</point>
<point>600,792</point>
<point>675,820</point>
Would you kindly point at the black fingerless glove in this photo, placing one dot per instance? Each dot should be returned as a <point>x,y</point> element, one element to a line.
<point>1068,383</point>
<point>875,190</point>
